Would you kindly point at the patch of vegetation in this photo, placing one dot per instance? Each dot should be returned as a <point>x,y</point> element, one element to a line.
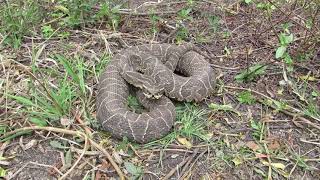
<point>18,19</point>
<point>21,18</point>
<point>49,103</point>
<point>251,73</point>
<point>246,97</point>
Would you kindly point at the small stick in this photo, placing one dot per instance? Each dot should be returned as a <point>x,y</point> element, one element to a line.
<point>184,169</point>
<point>82,124</point>
<point>177,168</point>
<point>78,160</point>
<point>194,162</point>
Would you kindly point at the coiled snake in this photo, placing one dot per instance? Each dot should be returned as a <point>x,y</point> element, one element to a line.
<point>151,69</point>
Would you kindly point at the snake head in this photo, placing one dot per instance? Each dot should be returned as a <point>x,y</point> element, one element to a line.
<point>152,91</point>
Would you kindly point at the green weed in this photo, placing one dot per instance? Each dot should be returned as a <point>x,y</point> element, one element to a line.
<point>110,13</point>
<point>155,19</point>
<point>246,97</point>
<point>251,73</point>
<point>214,22</point>
<point>182,32</point>
<point>47,31</point>
<point>18,19</point>
<point>258,129</point>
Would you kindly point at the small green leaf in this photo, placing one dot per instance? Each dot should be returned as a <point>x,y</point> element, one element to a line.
<point>289,39</point>
<point>280,51</point>
<point>3,172</point>
<point>256,125</point>
<point>287,58</point>
<point>237,161</point>
<point>22,100</point>
<point>58,145</point>
<point>314,93</point>
<point>285,39</point>
<point>3,129</point>
<point>38,122</point>
<point>131,168</point>
<point>247,1</point>
<point>309,23</point>
<point>68,159</point>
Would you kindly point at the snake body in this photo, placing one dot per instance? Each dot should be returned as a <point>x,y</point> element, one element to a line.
<point>151,69</point>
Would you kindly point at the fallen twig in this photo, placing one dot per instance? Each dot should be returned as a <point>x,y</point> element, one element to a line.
<point>194,162</point>
<point>177,168</point>
<point>184,169</point>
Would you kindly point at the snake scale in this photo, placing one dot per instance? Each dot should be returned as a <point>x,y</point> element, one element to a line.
<point>151,68</point>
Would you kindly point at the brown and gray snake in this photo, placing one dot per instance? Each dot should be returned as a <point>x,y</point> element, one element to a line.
<point>151,69</point>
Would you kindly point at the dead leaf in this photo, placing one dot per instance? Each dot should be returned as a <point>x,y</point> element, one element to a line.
<point>275,165</point>
<point>65,121</point>
<point>30,144</point>
<point>274,145</point>
<point>237,161</point>
<point>308,78</point>
<point>117,157</point>
<point>184,142</point>
<point>252,145</point>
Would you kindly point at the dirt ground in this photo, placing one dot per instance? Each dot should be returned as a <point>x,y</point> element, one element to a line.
<point>274,137</point>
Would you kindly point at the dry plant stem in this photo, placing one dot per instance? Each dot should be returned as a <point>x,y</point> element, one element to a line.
<point>184,169</point>
<point>75,133</point>
<point>194,162</point>
<point>170,35</point>
<point>177,168</point>
<point>78,160</point>
<point>82,124</point>
<point>158,150</point>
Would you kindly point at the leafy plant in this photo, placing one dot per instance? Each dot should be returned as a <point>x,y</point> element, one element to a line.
<point>136,171</point>
<point>154,21</point>
<point>251,73</point>
<point>184,14</point>
<point>246,97</point>
<point>134,104</point>
<point>47,31</point>
<point>111,13</point>
<point>214,22</point>
<point>17,20</point>
<point>189,120</point>
<point>76,12</point>
<point>257,129</point>
<point>182,32</point>
<point>190,123</point>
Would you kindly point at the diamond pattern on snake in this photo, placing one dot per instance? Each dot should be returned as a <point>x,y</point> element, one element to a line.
<point>151,69</point>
